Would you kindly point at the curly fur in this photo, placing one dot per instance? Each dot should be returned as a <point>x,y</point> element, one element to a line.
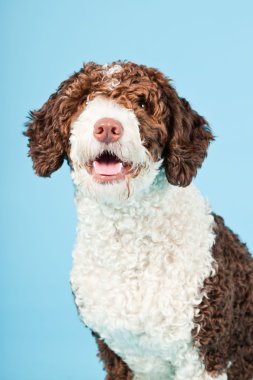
<point>225,318</point>
<point>113,364</point>
<point>166,287</point>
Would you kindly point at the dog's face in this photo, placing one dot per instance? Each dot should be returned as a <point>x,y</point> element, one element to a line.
<point>117,125</point>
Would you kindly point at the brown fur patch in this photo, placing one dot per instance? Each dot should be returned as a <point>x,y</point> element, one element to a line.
<point>114,366</point>
<point>226,313</point>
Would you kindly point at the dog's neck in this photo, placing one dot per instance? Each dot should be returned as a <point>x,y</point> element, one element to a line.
<point>136,202</point>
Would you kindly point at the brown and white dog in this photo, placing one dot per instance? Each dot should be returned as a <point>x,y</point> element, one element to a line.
<point>165,286</point>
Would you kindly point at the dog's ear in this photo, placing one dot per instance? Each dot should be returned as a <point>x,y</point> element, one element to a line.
<point>189,136</point>
<point>48,128</point>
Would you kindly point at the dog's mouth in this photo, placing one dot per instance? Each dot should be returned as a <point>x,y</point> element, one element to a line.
<point>107,167</point>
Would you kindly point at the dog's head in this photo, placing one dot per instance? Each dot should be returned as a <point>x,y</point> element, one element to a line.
<point>117,125</point>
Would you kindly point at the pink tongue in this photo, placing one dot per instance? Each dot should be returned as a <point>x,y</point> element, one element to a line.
<point>109,168</point>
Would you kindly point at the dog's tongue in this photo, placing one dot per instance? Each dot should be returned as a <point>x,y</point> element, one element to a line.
<point>107,168</point>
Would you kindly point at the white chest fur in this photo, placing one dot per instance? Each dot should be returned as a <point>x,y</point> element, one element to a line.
<point>138,271</point>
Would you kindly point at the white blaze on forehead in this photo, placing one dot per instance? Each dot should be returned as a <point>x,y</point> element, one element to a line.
<point>85,147</point>
<point>108,71</point>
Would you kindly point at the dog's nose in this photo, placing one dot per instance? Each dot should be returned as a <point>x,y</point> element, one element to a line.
<point>107,130</point>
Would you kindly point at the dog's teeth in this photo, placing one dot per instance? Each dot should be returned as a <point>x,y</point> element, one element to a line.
<point>120,167</point>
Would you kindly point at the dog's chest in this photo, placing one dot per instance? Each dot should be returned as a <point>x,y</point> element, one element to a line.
<point>138,271</point>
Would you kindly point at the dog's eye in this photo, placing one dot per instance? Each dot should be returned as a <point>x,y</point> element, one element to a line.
<point>145,104</point>
<point>142,102</point>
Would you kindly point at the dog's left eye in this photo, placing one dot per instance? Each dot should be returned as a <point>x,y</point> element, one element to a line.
<point>145,104</point>
<point>142,102</point>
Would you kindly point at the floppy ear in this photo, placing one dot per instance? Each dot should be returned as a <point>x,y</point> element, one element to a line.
<point>189,136</point>
<point>49,127</point>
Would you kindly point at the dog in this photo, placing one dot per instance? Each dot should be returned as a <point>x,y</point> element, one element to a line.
<point>165,287</point>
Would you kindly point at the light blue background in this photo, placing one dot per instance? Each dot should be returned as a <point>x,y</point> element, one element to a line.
<point>206,47</point>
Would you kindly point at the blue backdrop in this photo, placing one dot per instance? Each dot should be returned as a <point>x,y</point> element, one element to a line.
<point>206,47</point>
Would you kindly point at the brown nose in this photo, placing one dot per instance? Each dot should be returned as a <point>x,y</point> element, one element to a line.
<point>107,130</point>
